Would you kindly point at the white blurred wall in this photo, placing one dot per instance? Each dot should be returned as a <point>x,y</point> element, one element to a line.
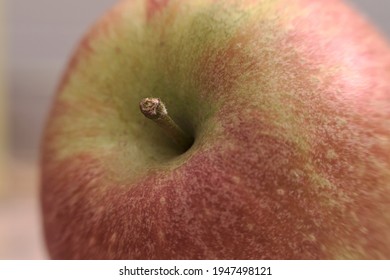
<point>41,36</point>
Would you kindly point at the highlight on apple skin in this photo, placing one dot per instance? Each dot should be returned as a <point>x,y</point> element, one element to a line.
<point>288,105</point>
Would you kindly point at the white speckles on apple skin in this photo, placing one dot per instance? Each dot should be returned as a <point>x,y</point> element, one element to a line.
<point>198,210</point>
<point>280,192</point>
<point>331,154</point>
<point>206,214</point>
<point>162,201</point>
<point>113,238</point>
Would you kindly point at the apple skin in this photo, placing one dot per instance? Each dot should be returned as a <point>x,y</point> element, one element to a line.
<point>289,106</point>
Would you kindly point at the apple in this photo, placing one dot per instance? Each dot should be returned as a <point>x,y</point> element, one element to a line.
<point>286,109</point>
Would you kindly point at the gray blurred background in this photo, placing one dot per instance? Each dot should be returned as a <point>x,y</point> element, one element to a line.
<point>40,37</point>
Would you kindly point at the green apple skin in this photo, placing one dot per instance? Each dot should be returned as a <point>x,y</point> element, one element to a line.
<point>289,106</point>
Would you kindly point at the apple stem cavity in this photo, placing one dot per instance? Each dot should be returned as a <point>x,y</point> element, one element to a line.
<point>154,109</point>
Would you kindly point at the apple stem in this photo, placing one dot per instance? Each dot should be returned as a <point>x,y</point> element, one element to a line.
<point>154,109</point>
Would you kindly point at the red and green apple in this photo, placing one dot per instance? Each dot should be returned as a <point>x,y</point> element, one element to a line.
<point>287,108</point>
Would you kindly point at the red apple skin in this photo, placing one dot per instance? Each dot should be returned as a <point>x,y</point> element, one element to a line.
<point>293,163</point>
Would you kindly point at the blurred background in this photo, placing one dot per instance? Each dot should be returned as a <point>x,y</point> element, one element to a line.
<point>36,39</point>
